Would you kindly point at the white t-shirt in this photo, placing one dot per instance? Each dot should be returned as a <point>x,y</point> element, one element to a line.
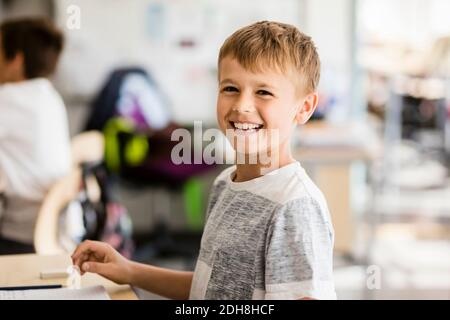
<point>34,151</point>
<point>267,238</point>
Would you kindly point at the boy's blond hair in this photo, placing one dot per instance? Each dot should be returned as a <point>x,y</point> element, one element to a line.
<point>277,45</point>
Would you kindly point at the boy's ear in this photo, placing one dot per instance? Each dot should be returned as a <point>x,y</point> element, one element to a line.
<point>18,63</point>
<point>15,68</point>
<point>307,108</point>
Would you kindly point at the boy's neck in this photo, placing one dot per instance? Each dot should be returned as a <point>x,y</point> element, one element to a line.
<point>13,79</point>
<point>246,172</point>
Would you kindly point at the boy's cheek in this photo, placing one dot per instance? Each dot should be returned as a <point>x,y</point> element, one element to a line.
<point>221,119</point>
<point>222,123</point>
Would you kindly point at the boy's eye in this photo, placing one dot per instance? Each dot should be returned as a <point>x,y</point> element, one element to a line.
<point>229,89</point>
<point>263,93</point>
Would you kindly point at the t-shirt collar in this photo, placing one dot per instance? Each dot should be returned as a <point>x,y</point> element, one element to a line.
<point>274,175</point>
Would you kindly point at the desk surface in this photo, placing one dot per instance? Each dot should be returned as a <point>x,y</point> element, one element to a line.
<point>24,269</point>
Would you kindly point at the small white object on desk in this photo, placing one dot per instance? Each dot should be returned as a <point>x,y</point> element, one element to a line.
<point>54,274</point>
<point>72,273</point>
<point>74,279</point>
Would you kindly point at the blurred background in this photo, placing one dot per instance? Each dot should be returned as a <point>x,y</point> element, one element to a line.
<point>378,145</point>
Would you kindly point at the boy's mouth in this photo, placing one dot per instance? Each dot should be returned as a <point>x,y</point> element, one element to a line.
<point>245,128</point>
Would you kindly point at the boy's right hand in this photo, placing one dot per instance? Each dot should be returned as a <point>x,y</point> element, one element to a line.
<point>101,258</point>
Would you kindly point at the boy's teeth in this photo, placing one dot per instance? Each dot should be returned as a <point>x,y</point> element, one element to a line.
<point>245,126</point>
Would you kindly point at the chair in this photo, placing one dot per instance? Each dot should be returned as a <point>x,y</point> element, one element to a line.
<point>86,147</point>
<point>2,196</point>
<point>2,183</point>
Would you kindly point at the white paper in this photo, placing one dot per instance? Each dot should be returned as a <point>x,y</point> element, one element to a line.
<point>88,293</point>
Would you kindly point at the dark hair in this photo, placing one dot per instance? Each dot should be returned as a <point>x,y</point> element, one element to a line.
<point>37,39</point>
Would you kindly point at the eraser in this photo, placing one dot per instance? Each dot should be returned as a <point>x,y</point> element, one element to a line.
<point>54,274</point>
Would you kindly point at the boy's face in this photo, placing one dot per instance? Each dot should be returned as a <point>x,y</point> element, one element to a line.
<point>10,70</point>
<point>260,109</point>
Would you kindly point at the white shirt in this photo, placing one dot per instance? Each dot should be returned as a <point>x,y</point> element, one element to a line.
<point>34,151</point>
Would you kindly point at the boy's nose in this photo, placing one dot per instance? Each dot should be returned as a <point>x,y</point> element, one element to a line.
<point>241,109</point>
<point>244,105</point>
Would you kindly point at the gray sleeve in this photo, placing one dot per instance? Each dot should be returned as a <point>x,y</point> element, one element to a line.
<point>299,252</point>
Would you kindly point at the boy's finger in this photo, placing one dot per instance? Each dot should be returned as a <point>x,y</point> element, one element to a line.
<point>80,249</point>
<point>85,247</point>
<point>83,251</point>
<point>96,267</point>
<point>84,257</point>
<point>78,260</point>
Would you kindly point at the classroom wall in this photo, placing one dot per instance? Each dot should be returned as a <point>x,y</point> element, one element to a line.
<point>330,24</point>
<point>178,41</point>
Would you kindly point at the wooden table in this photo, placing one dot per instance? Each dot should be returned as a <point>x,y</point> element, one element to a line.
<point>24,269</point>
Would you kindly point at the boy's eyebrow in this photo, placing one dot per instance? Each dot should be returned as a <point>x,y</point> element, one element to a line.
<point>265,85</point>
<point>226,81</point>
<point>260,84</point>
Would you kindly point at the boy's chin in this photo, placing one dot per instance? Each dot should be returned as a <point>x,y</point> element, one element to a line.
<point>249,148</point>
<point>252,155</point>
<point>248,152</point>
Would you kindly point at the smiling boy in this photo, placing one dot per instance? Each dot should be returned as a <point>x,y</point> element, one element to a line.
<point>268,233</point>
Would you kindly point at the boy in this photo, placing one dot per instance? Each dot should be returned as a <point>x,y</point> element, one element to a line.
<point>34,137</point>
<point>268,233</point>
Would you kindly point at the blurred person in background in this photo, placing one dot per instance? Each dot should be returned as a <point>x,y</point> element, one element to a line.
<point>34,136</point>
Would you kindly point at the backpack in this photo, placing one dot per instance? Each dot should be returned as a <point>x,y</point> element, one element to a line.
<point>133,94</point>
<point>103,218</point>
<point>135,119</point>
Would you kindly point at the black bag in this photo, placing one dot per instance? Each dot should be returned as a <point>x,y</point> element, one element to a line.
<point>105,220</point>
